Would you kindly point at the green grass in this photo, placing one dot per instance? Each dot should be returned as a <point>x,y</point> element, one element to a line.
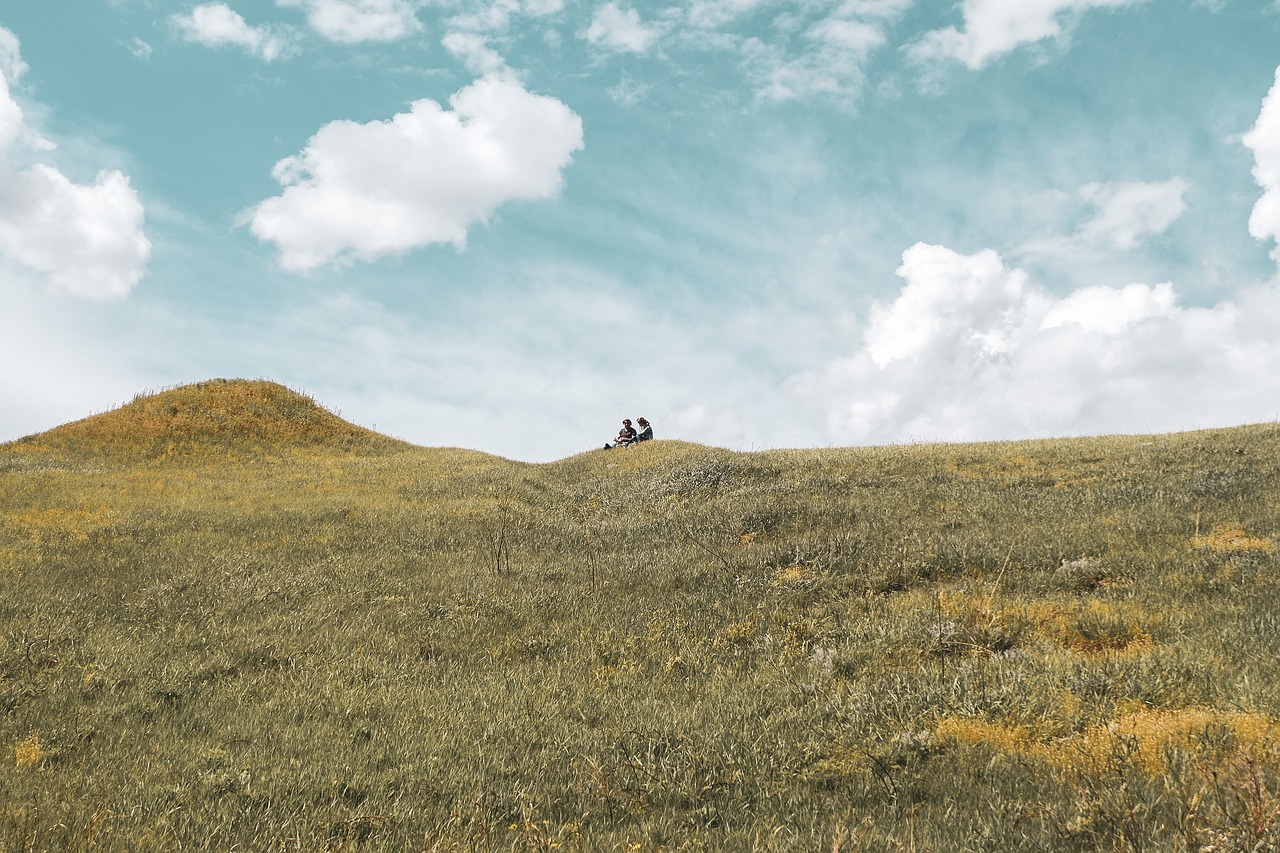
<point>230,620</point>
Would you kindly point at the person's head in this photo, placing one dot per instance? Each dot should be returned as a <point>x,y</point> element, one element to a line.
<point>627,421</point>
<point>642,422</point>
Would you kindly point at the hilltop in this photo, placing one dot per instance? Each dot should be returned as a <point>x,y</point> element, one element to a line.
<point>229,415</point>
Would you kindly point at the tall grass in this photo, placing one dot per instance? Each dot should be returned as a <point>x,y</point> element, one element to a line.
<point>251,626</point>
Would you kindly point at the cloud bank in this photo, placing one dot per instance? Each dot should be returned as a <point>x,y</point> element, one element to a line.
<point>971,349</point>
<point>362,191</point>
<point>81,239</point>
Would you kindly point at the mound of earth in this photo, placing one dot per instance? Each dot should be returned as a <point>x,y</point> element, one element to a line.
<point>228,414</point>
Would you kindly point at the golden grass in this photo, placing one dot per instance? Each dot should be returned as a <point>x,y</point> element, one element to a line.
<point>1150,738</point>
<point>1230,538</point>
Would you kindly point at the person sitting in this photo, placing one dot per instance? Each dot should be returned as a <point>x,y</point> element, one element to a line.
<point>646,430</point>
<point>626,435</point>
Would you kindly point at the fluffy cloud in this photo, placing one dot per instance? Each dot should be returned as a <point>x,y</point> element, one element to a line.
<point>970,349</point>
<point>425,176</point>
<point>1264,140</point>
<point>614,28</point>
<point>995,27</point>
<point>351,21</point>
<point>86,239</point>
<point>82,239</point>
<point>217,24</point>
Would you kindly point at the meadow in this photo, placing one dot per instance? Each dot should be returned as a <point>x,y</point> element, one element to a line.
<point>229,620</point>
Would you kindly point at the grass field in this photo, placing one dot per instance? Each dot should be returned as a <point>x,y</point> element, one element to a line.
<point>230,620</point>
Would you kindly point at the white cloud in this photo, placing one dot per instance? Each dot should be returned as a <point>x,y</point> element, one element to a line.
<point>1264,141</point>
<point>11,65</point>
<point>86,239</point>
<point>1111,310</point>
<point>935,311</point>
<point>217,25</point>
<point>627,91</point>
<point>972,350</point>
<point>493,16</point>
<point>542,8</point>
<point>474,51</point>
<point>831,66</point>
<point>1129,211</point>
<point>139,48</point>
<point>351,21</point>
<point>1123,213</point>
<point>83,239</point>
<point>361,191</point>
<point>711,14</point>
<point>621,30</point>
<point>995,27</point>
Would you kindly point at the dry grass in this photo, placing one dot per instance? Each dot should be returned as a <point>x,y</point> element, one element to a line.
<point>230,620</point>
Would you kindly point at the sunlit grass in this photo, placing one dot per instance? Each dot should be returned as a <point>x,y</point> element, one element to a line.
<point>228,619</point>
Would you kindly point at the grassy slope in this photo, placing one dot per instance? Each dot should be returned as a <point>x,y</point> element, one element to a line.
<point>229,618</point>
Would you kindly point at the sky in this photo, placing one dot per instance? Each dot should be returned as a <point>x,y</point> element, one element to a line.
<point>508,224</point>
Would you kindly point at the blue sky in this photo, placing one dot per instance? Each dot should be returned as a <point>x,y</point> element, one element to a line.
<point>508,224</point>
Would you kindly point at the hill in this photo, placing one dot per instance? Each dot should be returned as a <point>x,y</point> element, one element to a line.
<point>229,415</point>
<point>338,642</point>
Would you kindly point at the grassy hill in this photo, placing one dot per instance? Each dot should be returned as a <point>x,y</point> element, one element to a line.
<point>229,619</point>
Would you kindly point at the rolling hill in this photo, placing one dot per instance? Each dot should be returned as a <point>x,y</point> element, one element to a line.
<point>230,619</point>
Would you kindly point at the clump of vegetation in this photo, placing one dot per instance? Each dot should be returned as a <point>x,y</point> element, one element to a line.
<point>230,619</point>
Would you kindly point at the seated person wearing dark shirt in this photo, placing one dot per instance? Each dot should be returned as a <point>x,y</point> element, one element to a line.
<point>646,430</point>
<point>626,435</point>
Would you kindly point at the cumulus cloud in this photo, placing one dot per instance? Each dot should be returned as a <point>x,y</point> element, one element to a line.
<point>617,29</point>
<point>86,239</point>
<point>1264,141</point>
<point>218,25</point>
<point>82,239</point>
<point>351,21</point>
<point>971,349</point>
<point>361,191</point>
<point>992,28</point>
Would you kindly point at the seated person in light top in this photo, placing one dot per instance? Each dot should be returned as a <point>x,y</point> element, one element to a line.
<point>626,435</point>
<point>646,430</point>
